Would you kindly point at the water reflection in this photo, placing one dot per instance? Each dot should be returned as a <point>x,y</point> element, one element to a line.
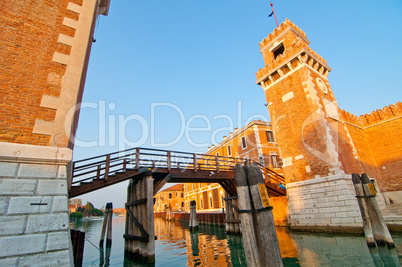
<point>210,246</point>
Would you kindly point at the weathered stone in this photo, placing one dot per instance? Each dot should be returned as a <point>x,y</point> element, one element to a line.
<point>17,187</point>
<point>60,203</point>
<point>29,205</point>
<point>57,241</point>
<point>21,245</point>
<point>37,171</point>
<point>58,258</point>
<point>47,222</point>
<point>12,224</point>
<point>8,170</point>
<point>52,187</point>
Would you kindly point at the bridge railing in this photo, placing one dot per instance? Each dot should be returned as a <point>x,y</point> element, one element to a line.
<point>271,175</point>
<point>103,166</point>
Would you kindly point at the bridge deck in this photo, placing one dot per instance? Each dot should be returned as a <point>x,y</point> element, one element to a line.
<point>167,166</point>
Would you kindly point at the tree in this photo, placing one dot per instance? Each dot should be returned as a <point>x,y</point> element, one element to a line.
<point>76,215</point>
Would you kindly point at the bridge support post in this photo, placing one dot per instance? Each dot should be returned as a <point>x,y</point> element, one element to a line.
<point>140,233</point>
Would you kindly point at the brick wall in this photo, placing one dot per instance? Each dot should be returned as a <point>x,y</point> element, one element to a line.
<point>376,137</point>
<point>28,40</point>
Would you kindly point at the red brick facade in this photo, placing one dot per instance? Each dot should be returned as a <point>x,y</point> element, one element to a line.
<point>44,51</point>
<point>28,42</point>
<point>377,138</point>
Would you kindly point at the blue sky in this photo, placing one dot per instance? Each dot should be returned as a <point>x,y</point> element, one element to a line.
<point>193,63</point>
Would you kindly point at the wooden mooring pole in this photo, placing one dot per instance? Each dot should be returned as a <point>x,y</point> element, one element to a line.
<point>267,241</point>
<point>247,228</point>
<point>380,229</point>
<point>193,224</point>
<point>368,230</point>
<point>107,225</point>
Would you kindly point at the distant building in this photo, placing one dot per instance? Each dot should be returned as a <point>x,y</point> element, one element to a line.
<point>256,142</point>
<point>172,197</point>
<point>72,208</point>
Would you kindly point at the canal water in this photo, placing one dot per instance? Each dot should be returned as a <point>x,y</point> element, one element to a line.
<point>210,246</point>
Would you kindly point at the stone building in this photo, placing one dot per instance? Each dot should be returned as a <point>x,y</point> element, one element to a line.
<point>322,145</point>
<point>256,142</point>
<point>44,51</point>
<point>172,197</point>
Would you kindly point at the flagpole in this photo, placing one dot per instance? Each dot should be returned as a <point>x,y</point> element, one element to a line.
<point>274,14</point>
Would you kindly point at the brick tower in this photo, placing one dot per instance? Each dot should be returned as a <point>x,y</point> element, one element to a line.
<point>44,51</point>
<point>318,153</point>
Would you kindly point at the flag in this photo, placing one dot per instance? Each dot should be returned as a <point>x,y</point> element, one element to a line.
<point>270,15</point>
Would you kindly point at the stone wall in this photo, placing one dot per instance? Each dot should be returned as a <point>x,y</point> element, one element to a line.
<point>33,205</point>
<point>324,203</point>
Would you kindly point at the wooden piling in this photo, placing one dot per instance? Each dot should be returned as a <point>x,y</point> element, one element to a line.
<point>267,241</point>
<point>380,229</point>
<point>249,239</point>
<point>107,225</point>
<point>193,224</point>
<point>368,231</point>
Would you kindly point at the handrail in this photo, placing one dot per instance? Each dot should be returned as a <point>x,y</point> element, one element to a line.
<point>279,179</point>
<point>103,166</point>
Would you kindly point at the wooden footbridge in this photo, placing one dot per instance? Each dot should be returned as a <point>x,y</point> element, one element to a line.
<point>167,166</point>
<point>148,170</point>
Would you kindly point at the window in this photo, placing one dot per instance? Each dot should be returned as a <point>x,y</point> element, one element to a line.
<point>243,142</point>
<point>182,195</point>
<point>270,136</point>
<point>182,204</point>
<point>223,202</point>
<point>201,204</point>
<point>176,194</point>
<point>170,195</point>
<point>210,203</point>
<point>217,154</point>
<point>229,151</point>
<point>274,160</point>
<point>278,50</point>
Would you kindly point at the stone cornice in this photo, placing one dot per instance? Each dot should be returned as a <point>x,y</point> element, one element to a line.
<point>12,152</point>
<point>304,56</point>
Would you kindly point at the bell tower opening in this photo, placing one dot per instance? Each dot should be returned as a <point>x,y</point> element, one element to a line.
<point>278,50</point>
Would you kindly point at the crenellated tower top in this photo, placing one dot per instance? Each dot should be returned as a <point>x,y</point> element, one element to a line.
<point>286,48</point>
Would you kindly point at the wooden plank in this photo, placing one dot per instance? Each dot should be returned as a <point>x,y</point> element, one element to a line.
<point>195,162</point>
<point>168,160</point>
<point>149,184</point>
<point>267,241</point>
<point>137,158</point>
<point>248,234</point>
<point>107,164</point>
<point>137,202</point>
<point>368,231</point>
<point>134,237</point>
<point>137,223</point>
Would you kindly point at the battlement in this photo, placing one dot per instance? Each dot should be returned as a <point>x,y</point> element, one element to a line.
<point>284,25</point>
<point>285,49</point>
<point>380,115</point>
